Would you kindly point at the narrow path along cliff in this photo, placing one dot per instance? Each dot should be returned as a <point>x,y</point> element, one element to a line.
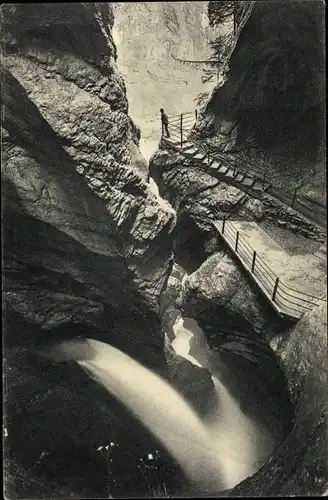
<point>140,358</point>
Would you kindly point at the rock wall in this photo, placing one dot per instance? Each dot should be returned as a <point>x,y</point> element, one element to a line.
<point>198,198</point>
<point>77,108</point>
<point>272,104</point>
<point>271,109</point>
<point>237,320</point>
<point>150,36</point>
<point>85,242</point>
<point>299,465</point>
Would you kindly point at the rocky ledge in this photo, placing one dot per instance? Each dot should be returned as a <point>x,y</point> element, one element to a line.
<point>237,322</point>
<point>85,242</point>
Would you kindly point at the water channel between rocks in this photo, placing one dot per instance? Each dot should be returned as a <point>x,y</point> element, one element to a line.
<point>242,437</point>
<point>244,423</point>
<point>216,451</point>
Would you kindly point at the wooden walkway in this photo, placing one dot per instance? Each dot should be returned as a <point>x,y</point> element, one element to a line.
<point>287,302</point>
<point>229,168</point>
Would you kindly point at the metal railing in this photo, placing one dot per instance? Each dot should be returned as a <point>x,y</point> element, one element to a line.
<point>181,126</point>
<point>287,301</point>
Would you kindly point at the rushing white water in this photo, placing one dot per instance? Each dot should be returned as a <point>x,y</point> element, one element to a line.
<point>216,453</point>
<point>242,443</point>
<point>156,404</point>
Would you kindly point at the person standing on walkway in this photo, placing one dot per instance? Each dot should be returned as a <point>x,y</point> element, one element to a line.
<point>165,123</point>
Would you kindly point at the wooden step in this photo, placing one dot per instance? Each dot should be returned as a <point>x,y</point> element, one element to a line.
<point>190,148</point>
<point>191,153</point>
<point>215,165</point>
<point>257,186</point>
<point>248,181</point>
<point>207,162</point>
<point>223,169</point>
<point>188,145</point>
<point>229,173</point>
<point>170,141</point>
<point>199,156</point>
<point>240,177</point>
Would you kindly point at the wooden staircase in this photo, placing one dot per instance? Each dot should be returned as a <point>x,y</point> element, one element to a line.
<point>250,182</point>
<point>219,169</point>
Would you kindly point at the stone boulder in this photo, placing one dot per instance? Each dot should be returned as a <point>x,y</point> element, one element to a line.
<point>220,289</point>
<point>237,323</point>
<point>66,125</point>
<point>193,382</point>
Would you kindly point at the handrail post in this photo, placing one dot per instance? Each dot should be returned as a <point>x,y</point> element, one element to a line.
<point>195,114</point>
<point>223,225</point>
<point>237,239</point>
<point>253,261</point>
<point>275,289</point>
<point>181,131</point>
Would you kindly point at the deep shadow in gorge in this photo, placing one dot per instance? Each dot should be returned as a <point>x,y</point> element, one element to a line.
<point>251,412</point>
<point>88,250</point>
<point>275,89</point>
<point>189,251</point>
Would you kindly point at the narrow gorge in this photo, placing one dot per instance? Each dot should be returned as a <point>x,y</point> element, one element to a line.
<point>140,358</point>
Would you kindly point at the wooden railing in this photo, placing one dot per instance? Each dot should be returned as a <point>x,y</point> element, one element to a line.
<point>181,126</point>
<point>287,301</point>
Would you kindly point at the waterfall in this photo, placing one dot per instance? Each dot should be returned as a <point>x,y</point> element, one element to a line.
<point>217,452</point>
<point>156,404</point>
<point>243,444</point>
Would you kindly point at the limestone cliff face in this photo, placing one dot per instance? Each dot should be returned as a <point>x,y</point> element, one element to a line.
<point>271,106</point>
<point>198,199</point>
<point>71,166</point>
<point>150,36</point>
<point>299,466</point>
<point>87,245</point>
<point>270,110</point>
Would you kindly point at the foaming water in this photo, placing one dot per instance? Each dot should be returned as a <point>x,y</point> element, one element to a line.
<point>156,404</point>
<point>217,452</point>
<point>243,444</point>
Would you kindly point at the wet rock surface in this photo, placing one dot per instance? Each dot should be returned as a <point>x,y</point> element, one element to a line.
<point>219,283</point>
<point>238,326</point>
<point>85,242</point>
<point>84,234</point>
<point>299,466</point>
<point>86,130</point>
<point>195,383</point>
<point>198,199</point>
<point>262,93</point>
<point>271,105</point>
<point>286,217</point>
<point>66,436</point>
